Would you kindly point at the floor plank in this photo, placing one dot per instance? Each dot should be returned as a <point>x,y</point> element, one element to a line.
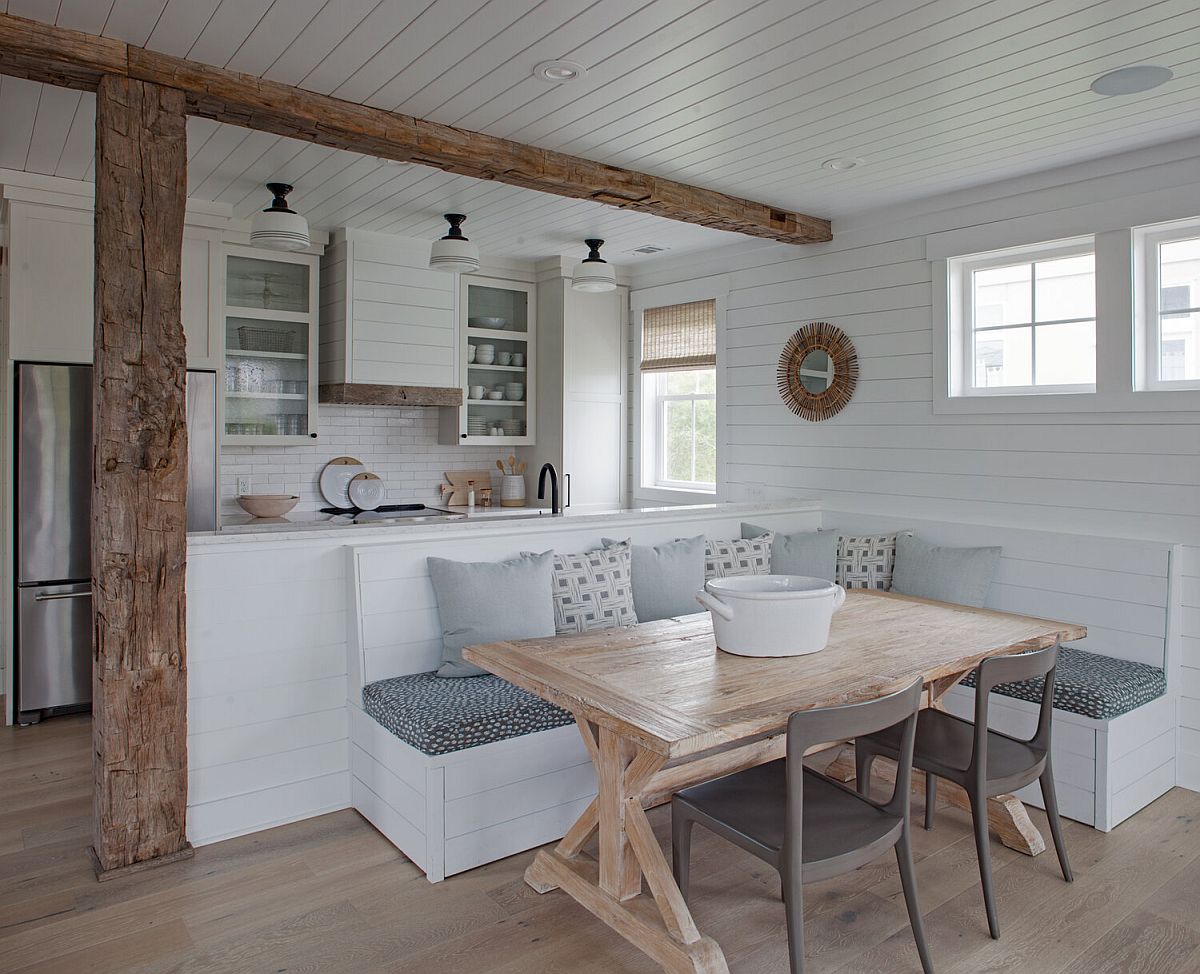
<point>330,894</point>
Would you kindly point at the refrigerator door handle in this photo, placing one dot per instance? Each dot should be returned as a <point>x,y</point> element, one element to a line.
<point>43,597</point>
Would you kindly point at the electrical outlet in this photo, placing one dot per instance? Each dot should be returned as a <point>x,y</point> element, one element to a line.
<point>244,486</point>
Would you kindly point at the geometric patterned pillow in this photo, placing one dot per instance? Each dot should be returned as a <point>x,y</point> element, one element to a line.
<point>752,556</point>
<point>593,590</point>
<point>866,561</point>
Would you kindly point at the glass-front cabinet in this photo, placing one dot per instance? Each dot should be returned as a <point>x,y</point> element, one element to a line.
<point>497,322</point>
<point>270,347</point>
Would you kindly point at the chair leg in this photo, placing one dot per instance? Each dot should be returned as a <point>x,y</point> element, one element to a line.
<point>979,818</point>
<point>681,849</point>
<point>908,878</point>
<point>930,799</point>
<point>793,908</point>
<point>1050,800</point>
<point>863,760</point>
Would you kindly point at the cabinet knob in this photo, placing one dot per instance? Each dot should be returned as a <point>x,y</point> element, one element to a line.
<point>313,435</point>
<point>463,435</point>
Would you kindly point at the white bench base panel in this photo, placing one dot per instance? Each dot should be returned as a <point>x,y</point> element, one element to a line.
<point>1104,770</point>
<point>452,812</point>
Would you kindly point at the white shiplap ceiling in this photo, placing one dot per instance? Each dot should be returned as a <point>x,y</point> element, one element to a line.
<point>741,96</point>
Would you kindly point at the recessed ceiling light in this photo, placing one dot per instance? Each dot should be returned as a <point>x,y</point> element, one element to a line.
<point>1133,80</point>
<point>560,72</point>
<point>842,163</point>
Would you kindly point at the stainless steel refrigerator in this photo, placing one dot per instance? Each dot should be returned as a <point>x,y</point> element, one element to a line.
<point>53,527</point>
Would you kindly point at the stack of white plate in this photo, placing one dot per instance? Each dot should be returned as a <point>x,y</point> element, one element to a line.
<point>485,354</point>
<point>514,391</point>
<point>513,427</point>
<point>477,426</point>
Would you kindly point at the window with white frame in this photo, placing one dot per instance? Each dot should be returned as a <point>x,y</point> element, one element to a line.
<point>1171,307</point>
<point>679,391</point>
<point>1024,321</point>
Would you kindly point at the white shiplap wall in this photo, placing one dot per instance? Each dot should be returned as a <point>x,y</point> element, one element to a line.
<point>401,445</point>
<point>1134,475</point>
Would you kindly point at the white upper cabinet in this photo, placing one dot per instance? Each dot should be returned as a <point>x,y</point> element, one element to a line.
<point>386,318</point>
<point>50,291</point>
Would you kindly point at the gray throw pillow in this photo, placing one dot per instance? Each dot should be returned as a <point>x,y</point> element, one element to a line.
<point>594,590</point>
<point>487,601</point>
<point>666,578</point>
<point>811,553</point>
<point>960,575</point>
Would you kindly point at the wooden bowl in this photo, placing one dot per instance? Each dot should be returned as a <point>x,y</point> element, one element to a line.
<point>268,505</point>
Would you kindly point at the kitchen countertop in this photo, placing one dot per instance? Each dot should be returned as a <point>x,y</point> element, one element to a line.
<point>311,525</point>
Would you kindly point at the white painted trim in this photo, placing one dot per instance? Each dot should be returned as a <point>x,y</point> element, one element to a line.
<point>1144,301</point>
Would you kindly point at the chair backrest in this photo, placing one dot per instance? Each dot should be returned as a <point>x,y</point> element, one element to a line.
<point>1012,669</point>
<point>809,727</point>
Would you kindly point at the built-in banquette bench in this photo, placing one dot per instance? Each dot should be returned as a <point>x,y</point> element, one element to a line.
<point>418,771</point>
<point>1115,691</point>
<point>458,772</point>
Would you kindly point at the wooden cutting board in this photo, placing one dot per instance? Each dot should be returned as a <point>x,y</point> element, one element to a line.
<point>458,479</point>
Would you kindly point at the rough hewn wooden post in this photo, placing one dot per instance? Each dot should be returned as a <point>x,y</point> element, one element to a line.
<point>139,479</point>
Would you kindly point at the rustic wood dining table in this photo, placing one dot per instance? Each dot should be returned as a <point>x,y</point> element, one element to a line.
<point>661,708</point>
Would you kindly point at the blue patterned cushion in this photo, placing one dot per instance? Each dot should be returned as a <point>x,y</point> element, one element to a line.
<point>439,716</point>
<point>1092,686</point>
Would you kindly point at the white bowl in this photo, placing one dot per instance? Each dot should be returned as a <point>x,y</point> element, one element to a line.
<point>771,615</point>
<point>268,505</point>
<point>495,395</point>
<point>483,321</point>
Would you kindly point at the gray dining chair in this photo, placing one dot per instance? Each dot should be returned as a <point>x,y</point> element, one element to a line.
<point>983,762</point>
<point>804,825</point>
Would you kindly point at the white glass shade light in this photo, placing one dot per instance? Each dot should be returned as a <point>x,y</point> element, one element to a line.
<point>279,227</point>
<point>594,273</point>
<point>454,252</point>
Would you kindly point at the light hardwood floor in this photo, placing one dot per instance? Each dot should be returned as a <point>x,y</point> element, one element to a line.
<point>331,895</point>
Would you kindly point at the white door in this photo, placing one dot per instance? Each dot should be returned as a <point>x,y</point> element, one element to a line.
<point>594,412</point>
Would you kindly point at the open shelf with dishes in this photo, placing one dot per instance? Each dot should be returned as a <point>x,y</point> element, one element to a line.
<point>497,326</point>
<point>270,345</point>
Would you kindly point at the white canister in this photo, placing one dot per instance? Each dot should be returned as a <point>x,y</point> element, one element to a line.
<point>771,615</point>
<point>512,490</point>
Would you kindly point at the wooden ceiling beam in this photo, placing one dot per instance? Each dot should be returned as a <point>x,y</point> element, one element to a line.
<point>78,60</point>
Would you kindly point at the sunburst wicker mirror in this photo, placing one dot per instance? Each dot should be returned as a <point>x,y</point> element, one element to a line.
<point>818,370</point>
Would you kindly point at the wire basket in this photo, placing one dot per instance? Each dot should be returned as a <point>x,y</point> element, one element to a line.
<point>255,339</point>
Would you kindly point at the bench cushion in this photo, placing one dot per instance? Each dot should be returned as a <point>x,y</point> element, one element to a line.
<point>1092,686</point>
<point>439,716</point>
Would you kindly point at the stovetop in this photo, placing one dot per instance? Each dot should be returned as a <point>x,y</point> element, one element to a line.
<point>385,512</point>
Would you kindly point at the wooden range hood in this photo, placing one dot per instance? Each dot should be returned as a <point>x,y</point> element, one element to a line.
<point>373,394</point>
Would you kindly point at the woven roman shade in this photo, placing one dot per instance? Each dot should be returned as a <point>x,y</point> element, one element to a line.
<point>680,336</point>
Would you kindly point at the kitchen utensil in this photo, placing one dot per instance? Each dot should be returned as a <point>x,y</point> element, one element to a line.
<point>367,490</point>
<point>458,479</point>
<point>335,480</point>
<point>771,615</point>
<point>504,358</point>
<point>500,466</point>
<point>267,505</point>
<point>521,468</point>
<point>512,491</point>
<point>486,321</point>
<point>512,464</point>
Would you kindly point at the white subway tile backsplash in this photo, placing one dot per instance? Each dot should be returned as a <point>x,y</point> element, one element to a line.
<point>398,444</point>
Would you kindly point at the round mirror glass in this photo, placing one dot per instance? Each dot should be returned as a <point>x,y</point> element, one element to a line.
<point>816,371</point>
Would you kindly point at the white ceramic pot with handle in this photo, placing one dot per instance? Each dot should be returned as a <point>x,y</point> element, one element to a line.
<point>771,615</point>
